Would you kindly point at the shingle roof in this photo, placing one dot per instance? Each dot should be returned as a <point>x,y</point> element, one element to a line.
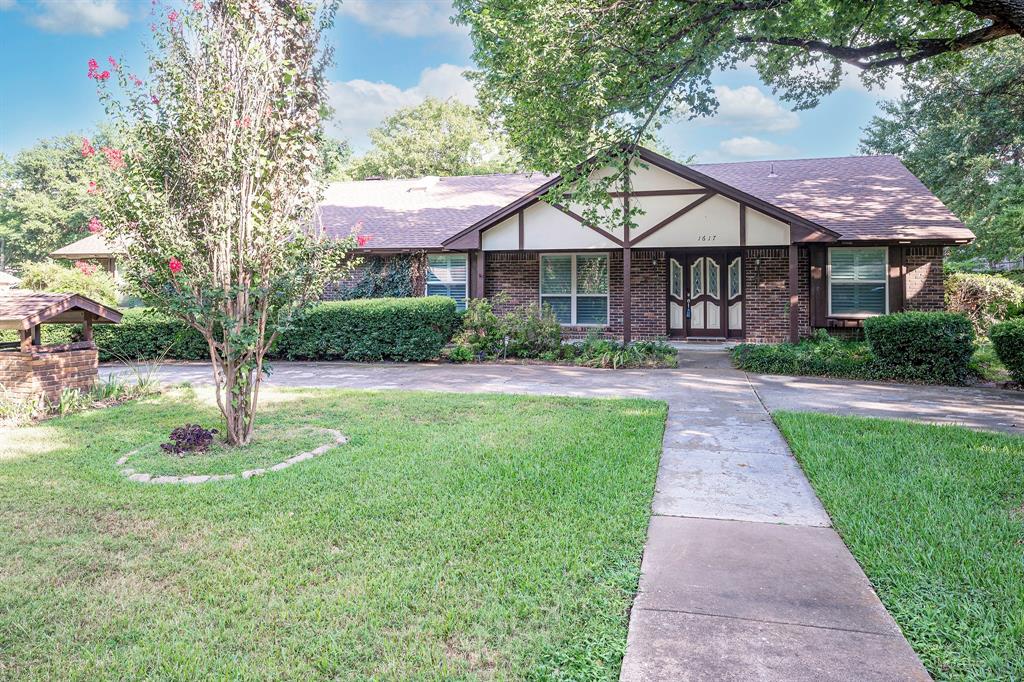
<point>93,245</point>
<point>419,213</point>
<point>859,197</point>
<point>24,309</point>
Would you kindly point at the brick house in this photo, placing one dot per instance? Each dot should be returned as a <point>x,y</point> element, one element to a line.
<point>764,251</point>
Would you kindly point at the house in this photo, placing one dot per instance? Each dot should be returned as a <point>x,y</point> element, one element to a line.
<point>95,249</point>
<point>765,251</point>
<point>8,281</point>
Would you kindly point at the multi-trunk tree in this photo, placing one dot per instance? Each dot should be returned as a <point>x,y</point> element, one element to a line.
<point>214,191</point>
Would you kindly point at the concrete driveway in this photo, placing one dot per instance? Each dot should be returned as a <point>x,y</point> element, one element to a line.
<point>742,576</point>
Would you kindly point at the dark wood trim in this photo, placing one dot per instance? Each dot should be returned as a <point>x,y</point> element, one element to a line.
<point>658,193</point>
<point>794,293</point>
<point>522,231</point>
<point>743,226</point>
<point>678,214</point>
<point>897,280</point>
<point>62,348</point>
<point>523,202</point>
<point>578,218</point>
<point>627,302</point>
<point>102,313</point>
<point>479,274</point>
<point>818,293</point>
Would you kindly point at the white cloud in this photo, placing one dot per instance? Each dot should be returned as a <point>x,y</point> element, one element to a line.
<point>749,147</point>
<point>360,105</point>
<point>6,4</point>
<point>94,17</point>
<point>408,18</point>
<point>748,108</point>
<point>891,89</point>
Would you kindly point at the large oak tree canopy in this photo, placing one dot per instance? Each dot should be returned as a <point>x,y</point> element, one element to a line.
<point>573,77</point>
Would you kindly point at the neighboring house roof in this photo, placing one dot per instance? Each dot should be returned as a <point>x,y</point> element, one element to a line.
<point>93,246</point>
<point>8,280</point>
<point>858,197</point>
<point>24,310</point>
<point>419,213</point>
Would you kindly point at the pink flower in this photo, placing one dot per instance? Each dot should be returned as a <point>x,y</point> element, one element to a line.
<point>154,99</point>
<point>136,81</point>
<point>87,149</point>
<point>113,63</point>
<point>197,6</point>
<point>173,16</point>
<point>103,76</point>
<point>175,265</point>
<point>115,157</point>
<point>93,68</point>
<point>86,269</point>
<point>92,188</point>
<point>95,226</point>
<point>363,239</point>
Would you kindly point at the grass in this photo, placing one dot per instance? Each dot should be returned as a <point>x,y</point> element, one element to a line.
<point>987,365</point>
<point>935,516</point>
<point>454,537</point>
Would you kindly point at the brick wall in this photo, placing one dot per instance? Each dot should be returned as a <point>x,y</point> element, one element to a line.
<point>517,275</point>
<point>924,286</point>
<point>336,291</point>
<point>766,283</point>
<point>29,375</point>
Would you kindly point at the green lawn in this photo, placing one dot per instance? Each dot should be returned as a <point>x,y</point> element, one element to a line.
<point>935,516</point>
<point>455,537</point>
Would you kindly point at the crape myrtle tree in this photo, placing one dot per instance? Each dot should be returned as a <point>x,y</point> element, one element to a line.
<point>215,190</point>
<point>571,79</point>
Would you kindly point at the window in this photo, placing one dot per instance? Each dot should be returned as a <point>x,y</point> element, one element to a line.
<point>858,281</point>
<point>448,275</point>
<point>576,287</point>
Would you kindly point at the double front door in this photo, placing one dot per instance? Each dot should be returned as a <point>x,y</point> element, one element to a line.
<point>705,294</point>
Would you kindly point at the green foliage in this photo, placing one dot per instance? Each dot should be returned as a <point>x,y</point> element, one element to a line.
<point>44,198</point>
<point>404,329</point>
<point>1008,340</point>
<point>89,281</point>
<point>984,299</point>
<point>435,138</point>
<point>573,78</point>
<point>385,278</point>
<point>532,331</point>
<point>483,333</point>
<point>932,347</point>
<point>598,352</point>
<point>147,334</point>
<point>962,132</point>
<point>821,355</point>
<point>215,190</point>
<point>336,156</point>
<point>459,354</point>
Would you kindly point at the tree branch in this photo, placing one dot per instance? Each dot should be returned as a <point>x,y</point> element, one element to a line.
<point>887,53</point>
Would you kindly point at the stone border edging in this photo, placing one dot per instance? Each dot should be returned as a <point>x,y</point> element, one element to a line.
<point>138,477</point>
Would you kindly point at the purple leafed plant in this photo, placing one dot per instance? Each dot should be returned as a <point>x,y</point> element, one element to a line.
<point>190,438</point>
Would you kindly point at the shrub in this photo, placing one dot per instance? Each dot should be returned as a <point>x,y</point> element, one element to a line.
<point>933,347</point>
<point>598,352</point>
<point>984,299</point>
<point>532,331</point>
<point>821,355</point>
<point>482,334</point>
<point>1008,340</point>
<point>86,280</point>
<point>145,334</point>
<point>406,329</point>
<point>187,439</point>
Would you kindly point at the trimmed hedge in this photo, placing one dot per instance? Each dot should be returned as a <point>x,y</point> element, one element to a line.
<point>404,329</point>
<point>1008,340</point>
<point>932,347</point>
<point>145,334</point>
<point>820,355</point>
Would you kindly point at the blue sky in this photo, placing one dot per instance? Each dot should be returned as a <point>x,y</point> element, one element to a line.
<point>388,53</point>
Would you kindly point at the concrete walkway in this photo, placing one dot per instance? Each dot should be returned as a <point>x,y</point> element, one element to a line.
<point>742,576</point>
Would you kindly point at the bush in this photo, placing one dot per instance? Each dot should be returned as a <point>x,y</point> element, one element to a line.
<point>598,352</point>
<point>1008,340</point>
<point>532,331</point>
<point>145,334</point>
<point>406,329</point>
<point>482,334</point>
<point>984,299</point>
<point>821,355</point>
<point>87,280</point>
<point>931,347</point>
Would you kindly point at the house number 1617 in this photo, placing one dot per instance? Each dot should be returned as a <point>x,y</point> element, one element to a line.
<point>706,237</point>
